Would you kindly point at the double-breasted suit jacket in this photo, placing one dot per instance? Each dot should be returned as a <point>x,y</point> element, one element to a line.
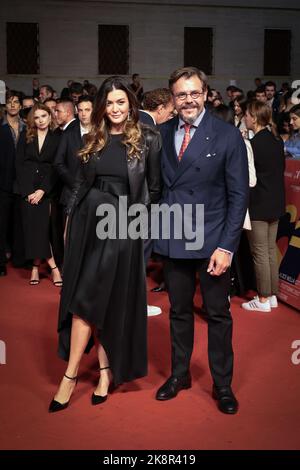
<point>213,172</point>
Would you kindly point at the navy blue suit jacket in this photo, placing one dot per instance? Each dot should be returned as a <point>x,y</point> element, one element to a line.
<point>213,172</point>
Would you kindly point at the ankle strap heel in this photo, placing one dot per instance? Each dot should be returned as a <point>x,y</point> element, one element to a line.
<point>71,378</point>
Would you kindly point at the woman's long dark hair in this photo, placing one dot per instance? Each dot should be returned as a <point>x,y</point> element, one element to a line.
<point>295,110</point>
<point>98,137</point>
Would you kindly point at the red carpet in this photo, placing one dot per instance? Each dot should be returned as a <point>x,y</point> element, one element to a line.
<point>266,383</point>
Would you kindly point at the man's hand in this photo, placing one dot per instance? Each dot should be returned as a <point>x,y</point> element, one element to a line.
<point>219,263</point>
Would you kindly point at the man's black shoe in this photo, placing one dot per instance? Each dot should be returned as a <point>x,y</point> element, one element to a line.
<point>227,403</point>
<point>172,386</point>
<point>3,271</point>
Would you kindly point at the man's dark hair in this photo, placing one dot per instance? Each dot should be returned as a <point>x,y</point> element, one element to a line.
<point>270,83</point>
<point>232,88</point>
<point>11,93</point>
<point>76,87</point>
<point>85,98</point>
<point>27,97</point>
<point>223,112</point>
<point>48,88</point>
<point>250,95</point>
<point>188,72</point>
<point>261,89</point>
<point>50,99</point>
<point>154,98</point>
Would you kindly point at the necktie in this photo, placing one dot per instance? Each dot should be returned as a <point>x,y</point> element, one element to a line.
<point>186,140</point>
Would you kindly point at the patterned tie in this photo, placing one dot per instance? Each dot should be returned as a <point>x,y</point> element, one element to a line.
<point>186,140</point>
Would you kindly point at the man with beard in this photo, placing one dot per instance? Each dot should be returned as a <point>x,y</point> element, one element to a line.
<point>204,161</point>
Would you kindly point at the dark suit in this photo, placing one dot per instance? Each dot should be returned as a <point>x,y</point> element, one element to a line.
<point>275,108</point>
<point>145,118</point>
<point>67,161</point>
<point>213,172</point>
<point>9,200</point>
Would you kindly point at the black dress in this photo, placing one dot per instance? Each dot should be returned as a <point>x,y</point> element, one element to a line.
<point>35,170</point>
<point>104,279</point>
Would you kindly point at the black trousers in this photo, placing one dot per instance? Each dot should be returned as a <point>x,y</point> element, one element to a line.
<point>11,229</point>
<point>180,276</point>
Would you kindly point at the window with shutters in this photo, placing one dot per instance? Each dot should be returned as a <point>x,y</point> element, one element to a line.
<point>198,48</point>
<point>22,48</point>
<point>277,52</point>
<point>113,49</point>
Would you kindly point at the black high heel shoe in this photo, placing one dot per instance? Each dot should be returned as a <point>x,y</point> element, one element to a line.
<point>55,405</point>
<point>98,399</point>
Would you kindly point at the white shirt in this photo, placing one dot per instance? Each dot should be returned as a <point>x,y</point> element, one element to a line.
<point>83,130</point>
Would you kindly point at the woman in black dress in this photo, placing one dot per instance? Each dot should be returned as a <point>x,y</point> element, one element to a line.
<point>104,294</point>
<point>36,180</point>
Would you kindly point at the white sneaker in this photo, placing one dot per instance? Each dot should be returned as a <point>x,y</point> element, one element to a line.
<point>152,311</point>
<point>256,306</point>
<point>273,301</point>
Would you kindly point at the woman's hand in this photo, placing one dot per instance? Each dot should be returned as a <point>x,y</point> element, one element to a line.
<point>30,197</point>
<point>36,196</point>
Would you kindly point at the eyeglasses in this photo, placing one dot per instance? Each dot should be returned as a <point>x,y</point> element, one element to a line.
<point>194,95</point>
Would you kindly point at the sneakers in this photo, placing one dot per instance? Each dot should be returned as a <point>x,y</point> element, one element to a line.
<point>152,311</point>
<point>273,301</point>
<point>256,306</point>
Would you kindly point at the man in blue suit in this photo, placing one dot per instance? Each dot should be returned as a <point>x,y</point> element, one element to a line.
<point>204,162</point>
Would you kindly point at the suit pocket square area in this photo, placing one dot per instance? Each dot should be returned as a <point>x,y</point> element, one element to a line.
<point>210,155</point>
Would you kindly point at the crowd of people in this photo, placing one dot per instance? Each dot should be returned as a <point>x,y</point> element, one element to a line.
<point>62,158</point>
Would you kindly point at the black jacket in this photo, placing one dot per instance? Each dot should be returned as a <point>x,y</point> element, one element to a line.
<point>7,158</point>
<point>145,118</point>
<point>35,169</point>
<point>144,173</point>
<point>267,198</point>
<point>67,161</point>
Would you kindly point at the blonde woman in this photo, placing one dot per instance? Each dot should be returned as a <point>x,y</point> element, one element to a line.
<point>267,204</point>
<point>37,179</point>
<point>104,295</point>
